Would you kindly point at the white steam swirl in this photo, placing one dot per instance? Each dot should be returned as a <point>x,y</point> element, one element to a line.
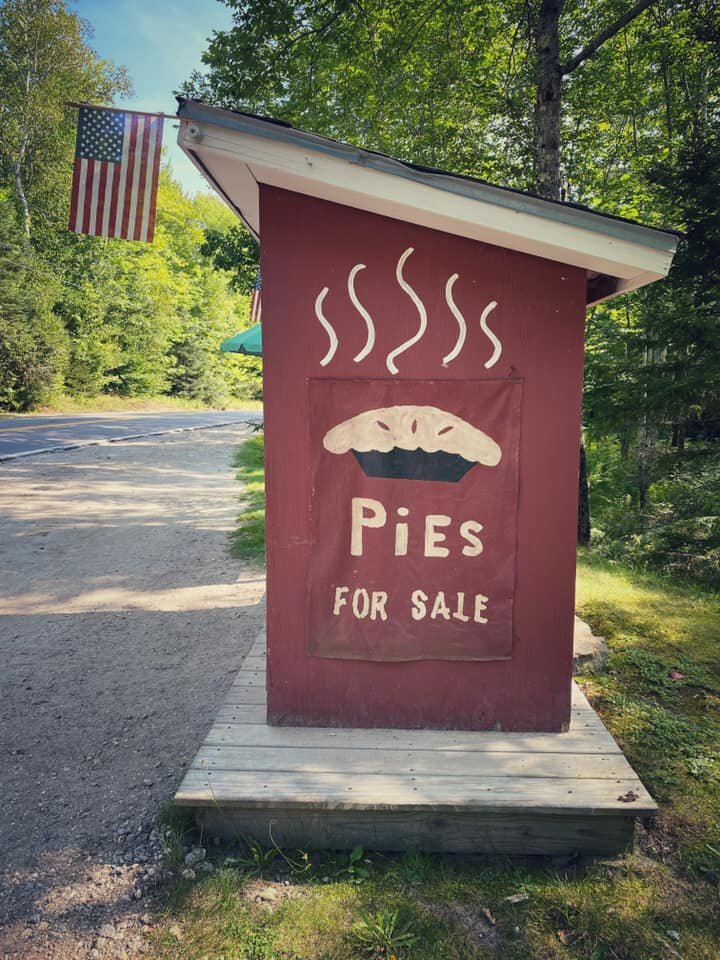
<point>370,342</point>
<point>332,336</point>
<point>497,346</point>
<point>390,361</point>
<point>458,316</point>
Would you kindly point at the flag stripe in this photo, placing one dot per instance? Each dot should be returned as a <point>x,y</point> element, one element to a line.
<point>122,178</point>
<point>101,198</point>
<point>89,171</point>
<point>134,182</point>
<point>148,184</point>
<point>82,180</point>
<point>152,211</point>
<point>140,191</point>
<point>128,167</point>
<point>115,201</point>
<point>107,200</point>
<point>94,194</point>
<point>255,307</point>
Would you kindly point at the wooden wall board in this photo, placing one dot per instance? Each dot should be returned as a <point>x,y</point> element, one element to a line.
<point>349,791</point>
<point>413,764</point>
<point>241,733</point>
<point>506,833</point>
<point>411,739</point>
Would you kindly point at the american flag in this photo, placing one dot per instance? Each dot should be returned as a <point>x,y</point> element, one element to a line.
<point>117,160</point>
<point>256,300</point>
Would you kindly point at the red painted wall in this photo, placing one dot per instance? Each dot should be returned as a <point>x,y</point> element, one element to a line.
<point>310,244</point>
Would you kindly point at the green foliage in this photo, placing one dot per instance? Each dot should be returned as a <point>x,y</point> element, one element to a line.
<point>384,934</point>
<point>255,859</point>
<point>677,526</point>
<point>660,698</point>
<point>236,251</point>
<point>356,866</point>
<point>33,341</point>
<point>135,319</point>
<point>442,84</point>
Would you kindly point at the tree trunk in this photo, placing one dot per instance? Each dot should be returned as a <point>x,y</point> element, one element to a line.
<point>548,105</point>
<point>625,444</point>
<point>19,189</point>
<point>548,100</point>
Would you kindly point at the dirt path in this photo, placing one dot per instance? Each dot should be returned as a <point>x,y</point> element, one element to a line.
<point>123,622</point>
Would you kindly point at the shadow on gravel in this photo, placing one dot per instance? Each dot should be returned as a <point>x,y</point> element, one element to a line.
<point>124,622</point>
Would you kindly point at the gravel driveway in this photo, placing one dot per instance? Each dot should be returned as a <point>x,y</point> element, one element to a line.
<point>123,622</point>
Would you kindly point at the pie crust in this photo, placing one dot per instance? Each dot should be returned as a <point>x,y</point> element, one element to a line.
<point>413,442</point>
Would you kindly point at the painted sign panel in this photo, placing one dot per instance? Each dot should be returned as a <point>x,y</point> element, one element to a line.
<point>414,505</point>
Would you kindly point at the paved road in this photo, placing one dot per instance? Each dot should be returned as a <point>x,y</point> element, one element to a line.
<point>35,434</point>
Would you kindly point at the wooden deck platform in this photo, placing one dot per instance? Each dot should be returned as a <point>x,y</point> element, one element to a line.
<point>321,788</point>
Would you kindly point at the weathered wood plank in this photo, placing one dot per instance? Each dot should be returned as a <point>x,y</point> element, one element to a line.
<point>227,731</point>
<point>415,763</point>
<point>253,663</point>
<point>581,720</point>
<point>252,694</point>
<point>246,678</point>
<point>583,717</point>
<point>386,792</point>
<point>237,696</point>
<point>245,713</point>
<point>500,833</point>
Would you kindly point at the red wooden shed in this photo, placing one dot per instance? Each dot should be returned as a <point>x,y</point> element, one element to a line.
<point>423,343</point>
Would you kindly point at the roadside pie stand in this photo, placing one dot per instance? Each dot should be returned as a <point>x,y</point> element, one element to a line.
<point>423,364</point>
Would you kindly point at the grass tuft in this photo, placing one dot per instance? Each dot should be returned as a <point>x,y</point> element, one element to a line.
<point>248,539</point>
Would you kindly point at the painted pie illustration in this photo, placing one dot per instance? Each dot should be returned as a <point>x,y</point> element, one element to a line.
<point>413,443</point>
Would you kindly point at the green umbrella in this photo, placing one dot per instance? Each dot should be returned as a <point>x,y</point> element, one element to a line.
<point>248,341</point>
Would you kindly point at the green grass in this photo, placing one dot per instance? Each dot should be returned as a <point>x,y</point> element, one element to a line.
<point>113,404</point>
<point>248,539</point>
<point>417,907</point>
<point>660,697</point>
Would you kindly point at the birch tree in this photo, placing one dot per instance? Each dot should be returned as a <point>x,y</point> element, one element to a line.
<point>45,59</point>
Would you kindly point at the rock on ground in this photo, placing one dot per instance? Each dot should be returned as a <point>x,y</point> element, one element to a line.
<point>589,652</point>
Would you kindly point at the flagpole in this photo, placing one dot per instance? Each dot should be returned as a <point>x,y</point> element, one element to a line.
<point>116,109</point>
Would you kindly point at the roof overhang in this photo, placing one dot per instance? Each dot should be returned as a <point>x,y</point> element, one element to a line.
<point>236,152</point>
